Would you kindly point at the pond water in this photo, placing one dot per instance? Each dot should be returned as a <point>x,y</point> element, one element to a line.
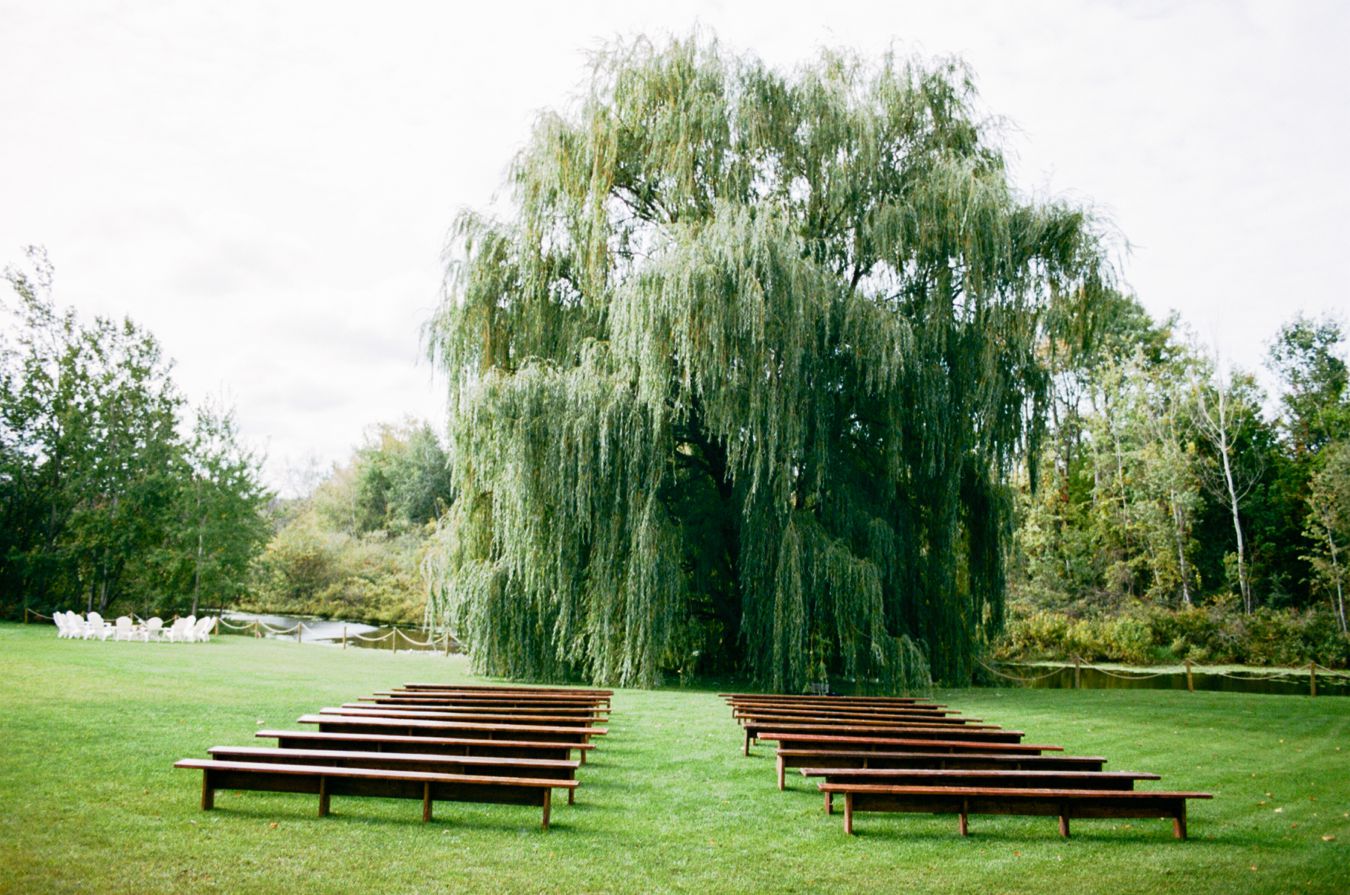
<point>1284,683</point>
<point>330,632</point>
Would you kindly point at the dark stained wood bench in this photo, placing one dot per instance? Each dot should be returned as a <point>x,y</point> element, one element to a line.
<point>573,736</point>
<point>791,741</point>
<point>358,709</point>
<point>760,730</point>
<point>983,778</point>
<point>833,700</point>
<point>1063,803</point>
<point>938,717</point>
<point>327,781</point>
<point>599,696</point>
<point>495,765</point>
<point>431,745</point>
<point>556,708</point>
<point>832,759</point>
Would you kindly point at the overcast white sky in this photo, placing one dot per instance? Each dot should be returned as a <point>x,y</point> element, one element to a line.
<point>267,185</point>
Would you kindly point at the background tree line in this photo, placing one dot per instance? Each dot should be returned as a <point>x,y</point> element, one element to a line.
<point>1176,511</point>
<point>352,546</point>
<point>112,494</point>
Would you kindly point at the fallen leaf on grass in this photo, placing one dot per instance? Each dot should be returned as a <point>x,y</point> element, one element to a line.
<point>1329,837</point>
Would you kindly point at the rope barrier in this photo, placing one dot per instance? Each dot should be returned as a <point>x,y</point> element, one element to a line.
<point>1012,677</point>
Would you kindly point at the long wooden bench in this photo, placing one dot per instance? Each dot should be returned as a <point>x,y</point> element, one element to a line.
<point>757,730</point>
<point>486,687</point>
<point>810,698</point>
<point>498,699</point>
<point>602,696</point>
<point>1063,803</point>
<point>431,745</point>
<point>833,759</point>
<point>574,736</point>
<point>790,741</point>
<point>937,715</point>
<point>327,781</point>
<point>983,778</point>
<point>358,709</point>
<point>580,710</point>
<point>497,766</point>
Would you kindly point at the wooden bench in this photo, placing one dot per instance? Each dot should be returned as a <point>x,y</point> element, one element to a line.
<point>941,716</point>
<point>982,778</point>
<point>811,698</point>
<point>791,741</point>
<point>327,781</point>
<point>357,709</point>
<point>759,730</point>
<point>514,706</point>
<point>386,742</point>
<point>1063,803</point>
<point>495,698</point>
<point>602,696</point>
<point>572,736</point>
<point>497,766</point>
<point>829,759</point>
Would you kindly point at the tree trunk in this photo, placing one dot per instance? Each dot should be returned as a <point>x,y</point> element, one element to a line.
<point>1179,526</point>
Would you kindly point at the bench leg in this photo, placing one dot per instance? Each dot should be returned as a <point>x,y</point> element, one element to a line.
<point>747,741</point>
<point>829,803</point>
<point>1064,821</point>
<point>548,803</point>
<point>426,803</point>
<point>582,757</point>
<point>1179,821</point>
<point>323,797</point>
<point>848,814</point>
<point>782,774</point>
<point>208,792</point>
<point>963,824</point>
<point>572,796</point>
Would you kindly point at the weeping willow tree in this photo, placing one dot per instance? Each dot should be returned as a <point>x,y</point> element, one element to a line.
<point>737,383</point>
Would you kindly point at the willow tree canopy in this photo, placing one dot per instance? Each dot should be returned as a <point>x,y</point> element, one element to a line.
<point>737,384</point>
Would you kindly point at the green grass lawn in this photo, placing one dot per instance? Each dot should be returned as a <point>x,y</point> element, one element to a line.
<point>89,801</point>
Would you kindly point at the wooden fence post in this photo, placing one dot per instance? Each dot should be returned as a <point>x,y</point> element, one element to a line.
<point>344,636</point>
<point>298,627</point>
<point>1312,678</point>
<point>1077,672</point>
<point>1190,683</point>
<point>394,640</point>
<point>447,642</point>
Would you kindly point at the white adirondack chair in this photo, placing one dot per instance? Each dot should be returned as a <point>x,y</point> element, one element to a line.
<point>181,629</point>
<point>63,625</point>
<point>97,627</point>
<point>152,628</point>
<point>124,629</point>
<point>202,632</point>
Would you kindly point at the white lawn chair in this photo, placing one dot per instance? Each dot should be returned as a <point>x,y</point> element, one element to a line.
<point>62,625</point>
<point>97,627</point>
<point>180,629</point>
<point>124,630</point>
<point>152,628</point>
<point>202,632</point>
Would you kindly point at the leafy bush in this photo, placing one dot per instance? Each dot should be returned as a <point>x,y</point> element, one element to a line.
<point>1215,633</point>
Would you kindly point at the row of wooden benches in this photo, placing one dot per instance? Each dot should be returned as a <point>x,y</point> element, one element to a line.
<point>432,742</point>
<point>910,755</point>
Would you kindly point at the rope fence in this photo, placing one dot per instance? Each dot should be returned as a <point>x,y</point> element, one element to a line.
<point>1188,668</point>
